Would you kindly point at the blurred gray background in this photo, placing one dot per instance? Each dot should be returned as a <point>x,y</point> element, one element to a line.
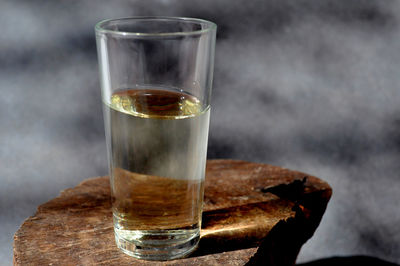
<point>308,85</point>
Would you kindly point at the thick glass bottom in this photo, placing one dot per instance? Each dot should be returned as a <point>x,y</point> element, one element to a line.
<point>157,244</point>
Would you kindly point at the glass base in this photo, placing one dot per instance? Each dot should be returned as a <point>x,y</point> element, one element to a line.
<point>157,245</point>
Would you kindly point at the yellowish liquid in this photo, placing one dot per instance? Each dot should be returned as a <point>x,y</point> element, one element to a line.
<point>156,104</point>
<point>157,148</point>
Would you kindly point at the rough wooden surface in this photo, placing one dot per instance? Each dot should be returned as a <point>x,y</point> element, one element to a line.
<point>253,214</point>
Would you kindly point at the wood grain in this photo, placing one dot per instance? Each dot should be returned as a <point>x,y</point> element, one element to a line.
<point>253,214</point>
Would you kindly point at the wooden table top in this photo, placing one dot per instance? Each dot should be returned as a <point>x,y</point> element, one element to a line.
<point>253,213</point>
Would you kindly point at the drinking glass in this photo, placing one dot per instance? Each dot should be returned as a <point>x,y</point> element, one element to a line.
<point>156,78</point>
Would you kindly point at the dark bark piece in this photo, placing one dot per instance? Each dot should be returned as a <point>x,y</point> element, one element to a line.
<point>253,214</point>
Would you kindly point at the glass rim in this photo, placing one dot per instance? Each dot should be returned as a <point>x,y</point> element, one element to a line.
<point>99,27</point>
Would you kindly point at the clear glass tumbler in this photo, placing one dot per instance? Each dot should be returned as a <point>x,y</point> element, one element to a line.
<point>156,77</point>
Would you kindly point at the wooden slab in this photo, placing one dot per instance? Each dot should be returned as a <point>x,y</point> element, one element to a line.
<point>253,213</point>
